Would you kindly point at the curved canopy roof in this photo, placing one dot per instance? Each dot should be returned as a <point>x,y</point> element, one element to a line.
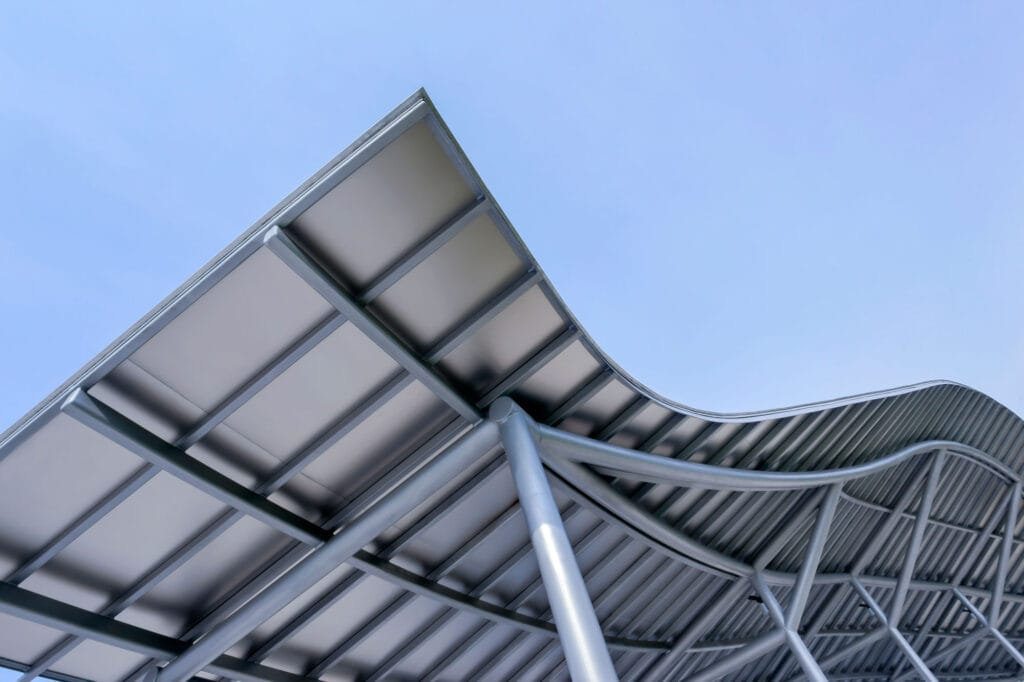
<point>286,472</point>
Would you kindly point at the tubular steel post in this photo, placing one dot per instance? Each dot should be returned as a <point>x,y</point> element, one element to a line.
<point>578,629</point>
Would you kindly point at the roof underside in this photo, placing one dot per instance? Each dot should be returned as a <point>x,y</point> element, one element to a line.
<point>254,371</point>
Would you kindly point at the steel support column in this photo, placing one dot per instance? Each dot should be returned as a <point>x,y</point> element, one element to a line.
<point>578,629</point>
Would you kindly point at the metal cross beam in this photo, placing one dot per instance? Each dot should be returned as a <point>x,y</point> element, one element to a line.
<point>37,608</point>
<point>296,258</point>
<point>335,551</point>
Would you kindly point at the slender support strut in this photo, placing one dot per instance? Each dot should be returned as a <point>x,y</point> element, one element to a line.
<point>899,598</point>
<point>877,539</point>
<point>727,597</point>
<point>796,645</point>
<point>1005,554</point>
<point>790,621</point>
<point>991,628</point>
<point>764,644</point>
<point>578,629</point>
<point>340,548</point>
<point>815,548</point>
<point>901,641</point>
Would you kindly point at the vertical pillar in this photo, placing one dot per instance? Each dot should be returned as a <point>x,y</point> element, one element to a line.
<point>578,629</point>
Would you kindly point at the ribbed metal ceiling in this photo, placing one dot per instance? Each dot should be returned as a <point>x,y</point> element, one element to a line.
<point>309,395</point>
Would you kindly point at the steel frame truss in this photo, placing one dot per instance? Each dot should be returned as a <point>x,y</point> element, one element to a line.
<point>578,629</point>
<point>585,470</point>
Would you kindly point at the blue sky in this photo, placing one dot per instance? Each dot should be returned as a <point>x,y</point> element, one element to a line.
<point>7,675</point>
<point>746,206</point>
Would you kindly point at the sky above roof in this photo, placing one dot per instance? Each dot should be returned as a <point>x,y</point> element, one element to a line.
<point>745,207</point>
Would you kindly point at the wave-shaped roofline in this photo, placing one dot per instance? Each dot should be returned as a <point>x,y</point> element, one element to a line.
<point>94,370</point>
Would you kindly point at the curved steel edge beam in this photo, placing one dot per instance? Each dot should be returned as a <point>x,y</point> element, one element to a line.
<point>641,466</point>
<point>706,645</point>
<point>381,568</point>
<point>415,109</point>
<point>595,494</point>
<point>43,610</point>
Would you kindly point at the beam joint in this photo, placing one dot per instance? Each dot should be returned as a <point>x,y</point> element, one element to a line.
<point>114,426</point>
<point>302,264</point>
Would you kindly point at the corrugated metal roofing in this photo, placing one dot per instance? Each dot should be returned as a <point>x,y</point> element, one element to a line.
<point>310,392</point>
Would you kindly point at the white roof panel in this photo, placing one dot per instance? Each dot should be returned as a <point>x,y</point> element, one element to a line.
<point>182,504</point>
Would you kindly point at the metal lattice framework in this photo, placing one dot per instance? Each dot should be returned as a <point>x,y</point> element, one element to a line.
<point>369,441</point>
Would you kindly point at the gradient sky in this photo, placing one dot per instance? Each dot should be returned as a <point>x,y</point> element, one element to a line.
<point>746,206</point>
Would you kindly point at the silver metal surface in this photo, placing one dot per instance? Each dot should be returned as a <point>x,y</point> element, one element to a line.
<point>339,548</point>
<point>578,629</point>
<point>284,472</point>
